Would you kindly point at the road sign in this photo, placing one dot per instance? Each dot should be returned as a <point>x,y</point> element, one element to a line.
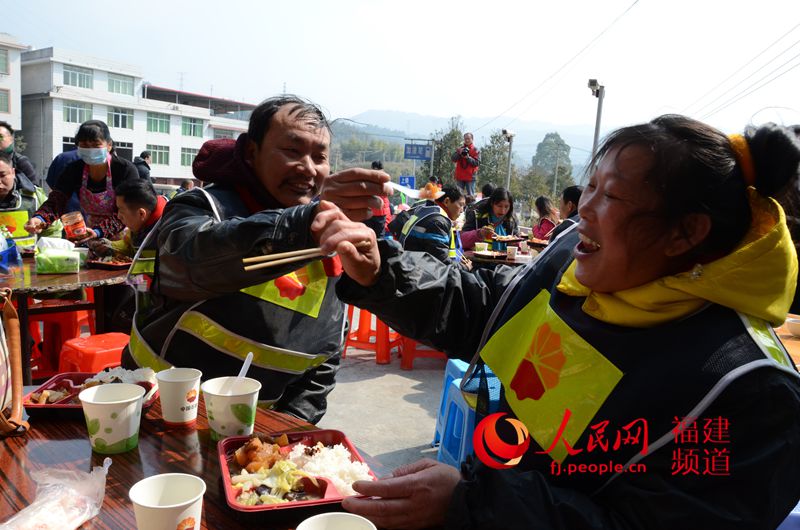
<point>407,181</point>
<point>417,152</point>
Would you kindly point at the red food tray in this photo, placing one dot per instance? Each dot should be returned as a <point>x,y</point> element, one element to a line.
<point>330,495</point>
<point>71,382</point>
<point>108,265</point>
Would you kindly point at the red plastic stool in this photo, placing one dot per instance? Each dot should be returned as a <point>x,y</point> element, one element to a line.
<point>93,353</point>
<point>361,337</point>
<point>409,350</point>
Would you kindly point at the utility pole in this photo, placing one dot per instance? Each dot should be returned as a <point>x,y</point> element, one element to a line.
<point>433,157</point>
<point>598,91</point>
<point>555,175</point>
<point>510,137</point>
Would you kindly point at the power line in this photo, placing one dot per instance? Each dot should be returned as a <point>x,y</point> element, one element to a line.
<point>740,83</point>
<point>732,101</point>
<point>745,65</point>
<point>562,67</point>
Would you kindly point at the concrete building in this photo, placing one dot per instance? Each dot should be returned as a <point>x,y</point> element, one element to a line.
<point>10,80</point>
<point>62,89</point>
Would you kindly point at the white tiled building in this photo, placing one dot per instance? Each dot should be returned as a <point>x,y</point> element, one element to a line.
<point>61,89</point>
<point>10,108</point>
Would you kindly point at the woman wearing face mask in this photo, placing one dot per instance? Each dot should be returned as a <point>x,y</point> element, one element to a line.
<point>93,178</point>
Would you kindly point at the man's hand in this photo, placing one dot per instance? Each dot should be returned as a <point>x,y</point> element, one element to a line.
<point>353,241</point>
<point>34,225</point>
<point>90,234</point>
<point>100,247</point>
<point>416,496</point>
<point>356,191</point>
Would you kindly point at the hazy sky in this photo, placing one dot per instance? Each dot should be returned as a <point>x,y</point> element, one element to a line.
<point>444,58</point>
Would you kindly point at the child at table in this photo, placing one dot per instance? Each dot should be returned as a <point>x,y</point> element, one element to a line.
<point>139,208</point>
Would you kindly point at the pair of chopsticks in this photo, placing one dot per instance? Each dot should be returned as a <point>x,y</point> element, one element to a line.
<point>282,258</point>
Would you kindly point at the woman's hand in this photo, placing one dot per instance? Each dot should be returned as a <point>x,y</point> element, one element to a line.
<point>416,496</point>
<point>34,225</point>
<point>356,191</point>
<point>354,242</point>
<point>487,232</point>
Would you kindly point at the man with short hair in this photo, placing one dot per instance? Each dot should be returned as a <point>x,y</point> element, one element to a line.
<point>568,209</point>
<point>142,163</point>
<point>204,310</point>
<point>20,163</point>
<point>467,159</point>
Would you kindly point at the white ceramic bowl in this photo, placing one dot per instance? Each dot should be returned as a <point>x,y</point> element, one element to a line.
<point>793,325</point>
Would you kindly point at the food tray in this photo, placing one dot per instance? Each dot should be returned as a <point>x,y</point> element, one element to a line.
<point>490,254</point>
<point>508,239</point>
<point>108,265</point>
<point>331,498</point>
<point>71,381</point>
<point>538,242</point>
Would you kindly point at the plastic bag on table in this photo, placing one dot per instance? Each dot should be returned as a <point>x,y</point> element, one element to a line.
<point>64,499</point>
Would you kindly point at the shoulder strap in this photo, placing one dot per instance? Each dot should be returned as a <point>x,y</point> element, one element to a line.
<point>13,425</point>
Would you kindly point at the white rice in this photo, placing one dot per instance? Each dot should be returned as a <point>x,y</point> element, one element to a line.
<point>332,463</point>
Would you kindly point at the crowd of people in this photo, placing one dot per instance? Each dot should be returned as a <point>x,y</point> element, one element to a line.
<point>651,307</point>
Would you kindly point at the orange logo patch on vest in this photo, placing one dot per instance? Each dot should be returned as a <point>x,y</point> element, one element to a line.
<point>290,286</point>
<point>541,366</point>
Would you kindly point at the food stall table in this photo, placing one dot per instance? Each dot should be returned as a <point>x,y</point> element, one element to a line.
<point>63,443</point>
<point>26,284</point>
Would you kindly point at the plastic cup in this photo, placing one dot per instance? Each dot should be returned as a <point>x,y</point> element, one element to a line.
<point>179,391</point>
<point>336,521</point>
<point>511,252</point>
<point>230,405</point>
<point>481,247</point>
<point>113,413</point>
<point>172,501</point>
<point>523,247</point>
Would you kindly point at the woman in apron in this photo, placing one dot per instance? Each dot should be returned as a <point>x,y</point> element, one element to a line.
<point>93,178</point>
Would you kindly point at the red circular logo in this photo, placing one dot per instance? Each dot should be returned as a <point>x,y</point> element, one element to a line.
<point>493,451</point>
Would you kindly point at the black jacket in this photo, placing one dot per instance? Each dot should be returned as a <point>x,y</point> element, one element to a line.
<point>143,168</point>
<point>451,311</point>
<point>573,219</point>
<point>430,234</point>
<point>22,164</point>
<point>199,267</point>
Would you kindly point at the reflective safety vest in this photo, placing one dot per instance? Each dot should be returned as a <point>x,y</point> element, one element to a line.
<point>410,229</point>
<point>302,291</point>
<point>14,218</point>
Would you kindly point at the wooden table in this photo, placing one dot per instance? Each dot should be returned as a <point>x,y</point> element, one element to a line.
<point>26,284</point>
<point>63,443</point>
<point>790,342</point>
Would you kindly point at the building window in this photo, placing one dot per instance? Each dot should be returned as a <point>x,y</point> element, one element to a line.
<point>121,118</point>
<point>68,144</point>
<point>3,61</point>
<point>75,112</point>
<point>157,122</point>
<point>120,84</point>
<point>124,150</point>
<point>225,134</point>
<point>5,97</point>
<point>187,156</point>
<point>160,154</point>
<point>77,76</point>
<point>192,127</point>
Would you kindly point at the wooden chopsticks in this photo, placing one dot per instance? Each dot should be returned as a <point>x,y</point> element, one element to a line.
<point>281,258</point>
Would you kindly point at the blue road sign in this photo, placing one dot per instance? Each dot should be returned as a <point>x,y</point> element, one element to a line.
<point>417,152</point>
<point>407,181</point>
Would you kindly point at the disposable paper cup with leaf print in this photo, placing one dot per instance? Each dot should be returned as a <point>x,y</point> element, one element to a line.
<point>481,247</point>
<point>113,413</point>
<point>172,501</point>
<point>230,405</point>
<point>336,521</point>
<point>179,389</point>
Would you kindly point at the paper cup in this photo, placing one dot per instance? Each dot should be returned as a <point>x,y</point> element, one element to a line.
<point>523,247</point>
<point>179,390</point>
<point>511,252</point>
<point>481,247</point>
<point>113,412</point>
<point>172,501</point>
<point>336,521</point>
<point>230,406</point>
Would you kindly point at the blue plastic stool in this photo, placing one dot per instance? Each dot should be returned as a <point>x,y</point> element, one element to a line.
<point>459,422</point>
<point>456,368</point>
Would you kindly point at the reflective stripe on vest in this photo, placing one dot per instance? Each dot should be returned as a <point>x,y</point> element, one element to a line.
<point>764,337</point>
<point>264,355</point>
<point>142,354</point>
<point>145,263</point>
